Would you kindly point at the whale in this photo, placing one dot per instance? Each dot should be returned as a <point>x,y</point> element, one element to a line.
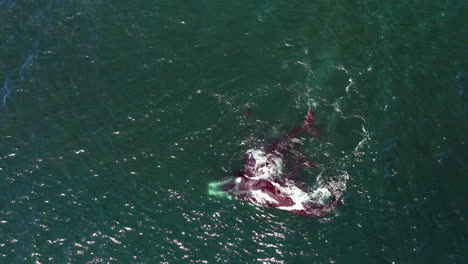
<point>266,181</point>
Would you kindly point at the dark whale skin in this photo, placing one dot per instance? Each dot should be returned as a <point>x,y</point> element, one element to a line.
<point>263,183</point>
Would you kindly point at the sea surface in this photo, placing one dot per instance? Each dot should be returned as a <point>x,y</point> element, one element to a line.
<point>116,115</point>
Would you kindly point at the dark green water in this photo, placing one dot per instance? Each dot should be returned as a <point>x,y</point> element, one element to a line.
<point>115,116</point>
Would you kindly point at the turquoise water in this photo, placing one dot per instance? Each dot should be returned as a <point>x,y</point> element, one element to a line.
<point>116,115</point>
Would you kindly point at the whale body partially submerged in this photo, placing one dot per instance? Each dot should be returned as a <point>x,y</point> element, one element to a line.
<point>263,182</point>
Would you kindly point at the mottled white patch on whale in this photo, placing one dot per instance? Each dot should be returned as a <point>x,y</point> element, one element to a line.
<point>267,166</point>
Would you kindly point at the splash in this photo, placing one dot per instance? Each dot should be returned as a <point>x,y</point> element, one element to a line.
<point>322,194</point>
<point>263,181</point>
<point>266,165</point>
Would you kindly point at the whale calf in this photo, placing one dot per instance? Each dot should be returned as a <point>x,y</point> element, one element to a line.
<point>263,182</point>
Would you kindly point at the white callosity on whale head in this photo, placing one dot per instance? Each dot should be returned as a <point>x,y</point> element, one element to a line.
<point>262,165</point>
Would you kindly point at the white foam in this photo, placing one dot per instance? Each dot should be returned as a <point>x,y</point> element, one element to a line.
<point>298,196</point>
<point>321,195</point>
<point>267,166</point>
<point>262,198</point>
